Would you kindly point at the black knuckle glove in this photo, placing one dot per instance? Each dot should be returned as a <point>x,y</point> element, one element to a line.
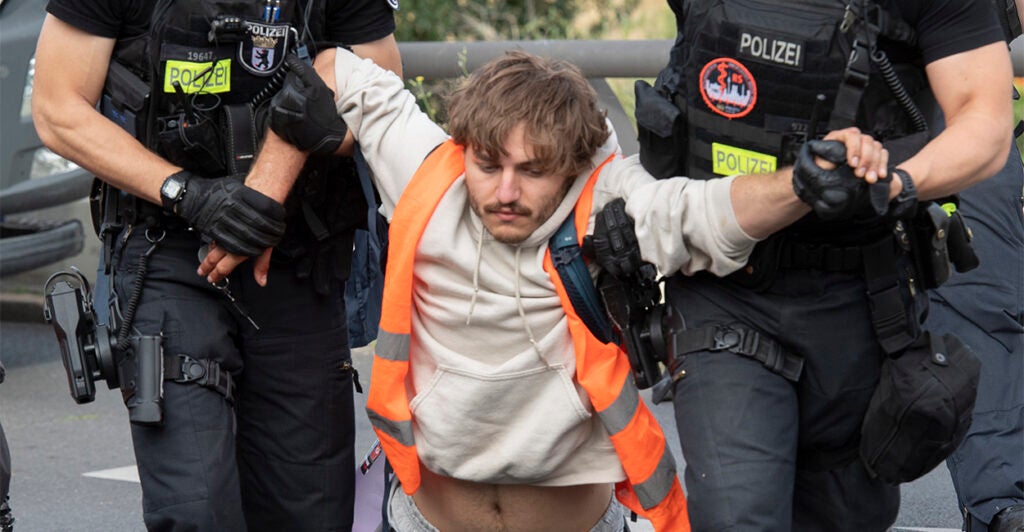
<point>303,112</point>
<point>239,219</point>
<point>833,194</point>
<point>613,244</point>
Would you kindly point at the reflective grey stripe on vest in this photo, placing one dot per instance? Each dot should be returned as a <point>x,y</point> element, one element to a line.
<point>617,415</point>
<point>391,346</point>
<point>615,418</point>
<point>653,490</point>
<point>399,430</point>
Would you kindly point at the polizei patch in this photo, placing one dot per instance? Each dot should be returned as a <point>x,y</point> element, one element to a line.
<point>727,87</point>
<point>263,49</point>
<point>771,49</point>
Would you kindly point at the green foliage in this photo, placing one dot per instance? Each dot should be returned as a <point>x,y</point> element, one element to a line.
<point>496,20</point>
<point>489,20</point>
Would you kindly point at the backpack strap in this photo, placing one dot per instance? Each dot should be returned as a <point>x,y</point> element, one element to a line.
<point>579,286</point>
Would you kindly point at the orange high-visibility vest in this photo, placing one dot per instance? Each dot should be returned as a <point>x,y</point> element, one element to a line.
<point>651,489</point>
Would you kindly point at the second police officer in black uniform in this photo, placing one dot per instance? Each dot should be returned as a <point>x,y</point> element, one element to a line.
<point>166,102</point>
<point>985,307</point>
<point>778,362</point>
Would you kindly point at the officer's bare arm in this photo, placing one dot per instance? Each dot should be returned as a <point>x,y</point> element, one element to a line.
<point>973,90</point>
<point>71,67</point>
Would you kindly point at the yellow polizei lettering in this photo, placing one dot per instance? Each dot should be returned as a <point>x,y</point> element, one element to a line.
<point>209,77</point>
<point>729,160</point>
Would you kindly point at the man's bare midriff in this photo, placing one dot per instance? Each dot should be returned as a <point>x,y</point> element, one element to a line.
<point>453,505</point>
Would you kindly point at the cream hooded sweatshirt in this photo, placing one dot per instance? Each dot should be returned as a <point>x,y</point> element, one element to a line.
<point>492,366</point>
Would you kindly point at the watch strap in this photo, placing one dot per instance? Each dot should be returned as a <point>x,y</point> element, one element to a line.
<point>905,203</point>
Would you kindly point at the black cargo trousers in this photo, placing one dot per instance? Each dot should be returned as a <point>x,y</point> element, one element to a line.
<point>749,435</point>
<point>281,457</point>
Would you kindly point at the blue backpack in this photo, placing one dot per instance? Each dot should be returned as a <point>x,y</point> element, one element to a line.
<point>365,286</point>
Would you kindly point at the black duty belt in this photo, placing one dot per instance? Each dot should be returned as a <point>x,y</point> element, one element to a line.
<point>741,341</point>
<point>823,257</point>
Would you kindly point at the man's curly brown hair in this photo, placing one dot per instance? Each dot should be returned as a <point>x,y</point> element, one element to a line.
<point>563,124</point>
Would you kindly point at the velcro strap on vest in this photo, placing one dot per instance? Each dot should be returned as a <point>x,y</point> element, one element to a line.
<point>888,313</point>
<point>741,341</point>
<point>204,372</point>
<point>239,138</point>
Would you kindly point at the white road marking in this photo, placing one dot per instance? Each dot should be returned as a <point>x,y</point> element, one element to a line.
<point>127,474</point>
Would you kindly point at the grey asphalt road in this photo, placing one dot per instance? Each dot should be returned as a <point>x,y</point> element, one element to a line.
<point>73,464</point>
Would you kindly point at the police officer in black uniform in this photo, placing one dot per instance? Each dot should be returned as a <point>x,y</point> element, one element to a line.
<point>985,307</point>
<point>777,363</point>
<point>165,102</point>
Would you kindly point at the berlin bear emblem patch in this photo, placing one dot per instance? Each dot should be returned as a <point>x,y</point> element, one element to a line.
<point>263,49</point>
<point>728,88</point>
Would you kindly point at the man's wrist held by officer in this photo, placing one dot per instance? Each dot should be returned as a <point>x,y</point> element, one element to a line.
<point>905,200</point>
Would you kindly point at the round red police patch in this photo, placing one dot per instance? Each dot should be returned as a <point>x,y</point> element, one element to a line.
<point>727,87</point>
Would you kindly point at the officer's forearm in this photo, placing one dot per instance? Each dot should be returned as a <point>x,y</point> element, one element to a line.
<point>276,168</point>
<point>765,203</point>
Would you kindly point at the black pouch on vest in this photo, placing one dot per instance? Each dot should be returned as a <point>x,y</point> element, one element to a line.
<point>125,100</point>
<point>928,243</point>
<point>921,409</point>
<point>192,143</point>
<point>661,129</point>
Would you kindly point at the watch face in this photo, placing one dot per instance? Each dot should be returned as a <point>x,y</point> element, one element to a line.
<point>172,189</point>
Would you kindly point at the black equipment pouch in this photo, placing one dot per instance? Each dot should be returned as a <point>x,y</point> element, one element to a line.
<point>921,408</point>
<point>125,100</point>
<point>191,141</point>
<point>661,129</point>
<point>939,237</point>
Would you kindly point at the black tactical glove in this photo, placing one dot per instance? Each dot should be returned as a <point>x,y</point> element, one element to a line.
<point>838,193</point>
<point>303,111</point>
<point>613,244</point>
<point>240,219</point>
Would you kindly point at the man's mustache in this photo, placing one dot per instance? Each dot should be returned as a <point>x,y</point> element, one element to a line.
<point>507,208</point>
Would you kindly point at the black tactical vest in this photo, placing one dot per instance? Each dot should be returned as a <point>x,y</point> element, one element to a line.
<point>205,62</point>
<point>201,79</point>
<point>753,79</point>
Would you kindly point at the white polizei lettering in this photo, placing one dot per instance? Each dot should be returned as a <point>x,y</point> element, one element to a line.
<point>267,31</point>
<point>771,49</point>
<point>792,53</point>
<point>777,48</point>
<point>745,40</point>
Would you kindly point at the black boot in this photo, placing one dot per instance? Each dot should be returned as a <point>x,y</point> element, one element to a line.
<point>1009,519</point>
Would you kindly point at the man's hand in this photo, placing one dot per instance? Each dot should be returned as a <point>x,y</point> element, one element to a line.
<point>239,219</point>
<point>303,111</point>
<point>219,263</point>
<point>827,176</point>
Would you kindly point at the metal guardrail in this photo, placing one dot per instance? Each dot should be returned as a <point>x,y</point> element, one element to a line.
<point>597,59</point>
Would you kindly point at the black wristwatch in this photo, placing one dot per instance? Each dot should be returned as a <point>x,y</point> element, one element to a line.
<point>174,189</point>
<point>905,203</point>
